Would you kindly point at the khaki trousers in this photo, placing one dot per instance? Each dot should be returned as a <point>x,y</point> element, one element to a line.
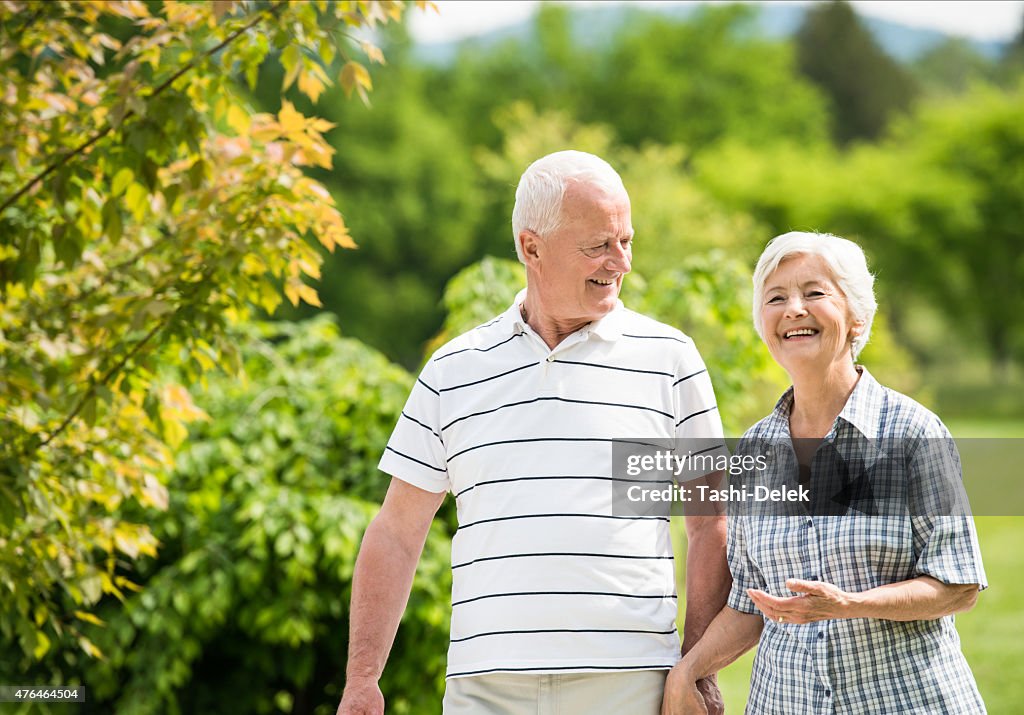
<point>625,693</point>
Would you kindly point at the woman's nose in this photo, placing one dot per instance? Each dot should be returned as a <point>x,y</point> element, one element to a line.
<point>795,307</point>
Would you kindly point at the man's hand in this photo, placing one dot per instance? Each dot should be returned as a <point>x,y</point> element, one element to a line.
<point>681,694</point>
<point>361,697</point>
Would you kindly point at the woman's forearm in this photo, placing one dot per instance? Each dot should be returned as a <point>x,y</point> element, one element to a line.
<point>918,599</point>
<point>730,635</point>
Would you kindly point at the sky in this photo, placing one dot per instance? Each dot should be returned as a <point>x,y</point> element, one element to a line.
<point>978,19</point>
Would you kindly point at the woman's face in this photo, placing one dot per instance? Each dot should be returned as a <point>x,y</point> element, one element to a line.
<point>806,321</point>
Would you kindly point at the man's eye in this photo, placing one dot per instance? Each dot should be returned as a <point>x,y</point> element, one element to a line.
<point>594,251</point>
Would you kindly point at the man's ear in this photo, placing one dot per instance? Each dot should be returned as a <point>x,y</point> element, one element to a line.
<point>529,242</point>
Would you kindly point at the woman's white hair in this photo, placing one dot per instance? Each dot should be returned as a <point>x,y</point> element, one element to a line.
<point>846,262</point>
<point>542,187</point>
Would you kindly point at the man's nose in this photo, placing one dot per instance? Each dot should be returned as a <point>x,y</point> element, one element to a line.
<point>618,259</point>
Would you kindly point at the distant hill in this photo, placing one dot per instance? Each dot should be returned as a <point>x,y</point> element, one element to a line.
<point>596,25</point>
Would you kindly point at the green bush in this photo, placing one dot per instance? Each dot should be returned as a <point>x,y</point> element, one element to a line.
<point>246,608</point>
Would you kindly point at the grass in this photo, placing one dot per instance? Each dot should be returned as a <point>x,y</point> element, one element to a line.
<point>992,634</point>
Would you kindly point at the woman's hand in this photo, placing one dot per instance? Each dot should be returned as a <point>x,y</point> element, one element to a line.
<point>818,601</point>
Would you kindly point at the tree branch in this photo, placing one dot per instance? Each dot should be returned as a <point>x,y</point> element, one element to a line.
<point>103,380</point>
<point>31,183</point>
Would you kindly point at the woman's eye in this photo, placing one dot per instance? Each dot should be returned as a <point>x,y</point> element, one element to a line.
<point>816,293</point>
<point>775,299</point>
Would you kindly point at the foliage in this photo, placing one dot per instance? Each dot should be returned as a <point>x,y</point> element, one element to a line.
<point>707,296</point>
<point>979,144</point>
<point>936,205</point>
<point>864,85</point>
<point>696,82</point>
<point>409,186</point>
<point>269,499</point>
<point>951,67</point>
<point>143,209</point>
<point>476,294</point>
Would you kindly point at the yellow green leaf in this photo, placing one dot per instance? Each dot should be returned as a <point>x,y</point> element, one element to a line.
<point>373,53</point>
<point>137,200</point>
<point>42,645</point>
<point>90,648</point>
<point>291,60</point>
<point>88,618</point>
<point>310,86</point>
<point>291,120</point>
<point>121,181</point>
<point>291,291</point>
<point>238,120</point>
<point>355,77</point>
<point>308,294</point>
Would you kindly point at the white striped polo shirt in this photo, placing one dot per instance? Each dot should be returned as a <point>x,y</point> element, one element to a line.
<point>545,578</point>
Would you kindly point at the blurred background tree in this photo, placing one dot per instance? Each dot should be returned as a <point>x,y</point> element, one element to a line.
<point>865,86</point>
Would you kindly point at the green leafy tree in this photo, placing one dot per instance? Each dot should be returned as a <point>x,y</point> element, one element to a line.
<point>973,233</point>
<point>143,210</point>
<point>698,81</point>
<point>952,66</point>
<point>864,85</point>
<point>936,206</point>
<point>550,69</point>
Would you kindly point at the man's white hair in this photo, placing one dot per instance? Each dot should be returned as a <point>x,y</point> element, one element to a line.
<point>846,262</point>
<point>542,188</point>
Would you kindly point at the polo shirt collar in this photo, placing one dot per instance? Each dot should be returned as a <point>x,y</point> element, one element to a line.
<point>608,327</point>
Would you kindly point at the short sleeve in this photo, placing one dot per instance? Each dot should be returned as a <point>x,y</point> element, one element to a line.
<point>415,452</point>
<point>945,539</point>
<point>698,425</point>
<point>696,409</point>
<point>948,550</point>
<point>744,573</point>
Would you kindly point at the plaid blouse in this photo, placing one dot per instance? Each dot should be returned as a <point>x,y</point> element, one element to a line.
<point>861,665</point>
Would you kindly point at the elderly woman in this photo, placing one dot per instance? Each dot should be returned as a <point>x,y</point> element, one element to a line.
<point>851,610</point>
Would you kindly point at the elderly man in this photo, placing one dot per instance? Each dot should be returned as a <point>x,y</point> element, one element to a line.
<point>559,605</point>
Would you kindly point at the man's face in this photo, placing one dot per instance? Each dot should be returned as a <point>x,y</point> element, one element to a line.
<point>577,270</point>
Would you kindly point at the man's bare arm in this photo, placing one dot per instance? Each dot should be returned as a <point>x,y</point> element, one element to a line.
<point>381,583</point>
<point>707,586</point>
<point>707,574</point>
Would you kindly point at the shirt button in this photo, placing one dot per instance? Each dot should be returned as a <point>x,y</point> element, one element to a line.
<point>551,358</point>
<point>808,523</point>
<point>828,693</point>
<point>821,634</point>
